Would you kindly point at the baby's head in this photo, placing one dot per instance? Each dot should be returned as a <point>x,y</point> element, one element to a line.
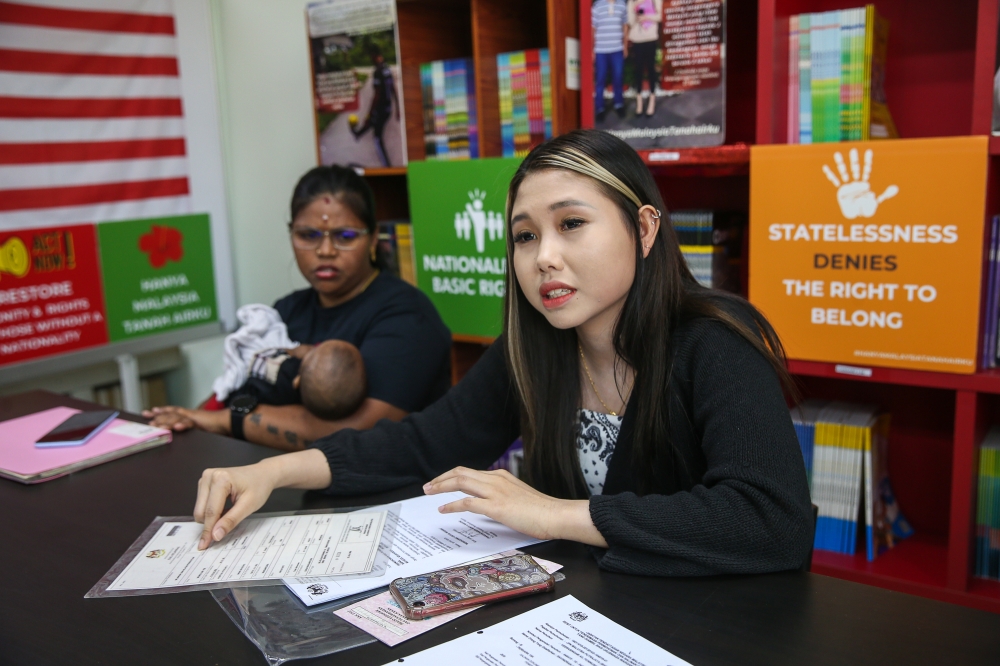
<point>332,380</point>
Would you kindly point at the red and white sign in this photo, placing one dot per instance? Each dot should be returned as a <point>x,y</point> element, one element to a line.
<point>91,120</point>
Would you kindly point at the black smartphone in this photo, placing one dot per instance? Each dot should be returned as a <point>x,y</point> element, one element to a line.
<point>77,429</point>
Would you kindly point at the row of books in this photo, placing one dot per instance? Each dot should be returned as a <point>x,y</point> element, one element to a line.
<point>451,130</point>
<point>990,340</point>
<point>395,246</point>
<point>988,508</point>
<point>525,84</point>
<point>836,71</point>
<point>711,242</point>
<point>845,451</point>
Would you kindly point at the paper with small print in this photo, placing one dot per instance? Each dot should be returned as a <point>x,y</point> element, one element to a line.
<point>564,632</point>
<point>425,540</point>
<point>318,545</point>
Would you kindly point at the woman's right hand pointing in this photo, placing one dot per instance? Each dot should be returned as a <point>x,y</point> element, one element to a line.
<point>248,488</point>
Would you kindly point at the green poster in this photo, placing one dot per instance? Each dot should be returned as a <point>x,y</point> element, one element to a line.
<point>157,275</point>
<point>457,210</point>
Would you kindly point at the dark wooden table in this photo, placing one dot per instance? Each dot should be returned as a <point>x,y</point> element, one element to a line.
<point>79,525</point>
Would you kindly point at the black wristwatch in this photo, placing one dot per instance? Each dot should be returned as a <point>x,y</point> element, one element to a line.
<point>239,407</point>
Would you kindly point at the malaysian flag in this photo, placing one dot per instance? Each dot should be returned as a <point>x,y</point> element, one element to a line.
<point>91,120</point>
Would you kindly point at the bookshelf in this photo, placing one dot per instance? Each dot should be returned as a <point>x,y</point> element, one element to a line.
<point>939,83</point>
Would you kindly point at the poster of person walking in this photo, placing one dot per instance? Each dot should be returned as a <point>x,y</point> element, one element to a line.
<point>357,88</point>
<point>657,71</point>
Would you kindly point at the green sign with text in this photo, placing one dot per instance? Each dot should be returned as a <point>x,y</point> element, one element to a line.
<point>459,238</point>
<point>158,275</point>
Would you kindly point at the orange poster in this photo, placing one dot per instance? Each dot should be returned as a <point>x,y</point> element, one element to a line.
<point>871,253</point>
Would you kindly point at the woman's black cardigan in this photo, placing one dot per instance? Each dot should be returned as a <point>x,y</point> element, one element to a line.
<point>741,507</point>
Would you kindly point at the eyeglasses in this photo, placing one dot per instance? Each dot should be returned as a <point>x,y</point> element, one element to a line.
<point>307,238</point>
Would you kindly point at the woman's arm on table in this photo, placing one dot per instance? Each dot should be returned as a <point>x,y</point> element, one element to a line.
<point>285,427</point>
<point>250,486</point>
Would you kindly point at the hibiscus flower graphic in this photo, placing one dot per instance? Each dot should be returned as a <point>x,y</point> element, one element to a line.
<point>162,244</point>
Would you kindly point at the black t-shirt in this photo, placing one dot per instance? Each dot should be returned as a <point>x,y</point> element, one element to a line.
<point>405,345</point>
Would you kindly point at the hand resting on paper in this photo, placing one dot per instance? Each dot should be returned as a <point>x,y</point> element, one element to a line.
<point>249,487</point>
<point>500,495</point>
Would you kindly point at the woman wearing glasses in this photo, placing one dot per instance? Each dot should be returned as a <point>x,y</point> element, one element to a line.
<point>403,342</point>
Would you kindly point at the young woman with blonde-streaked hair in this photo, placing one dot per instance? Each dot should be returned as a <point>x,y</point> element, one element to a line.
<point>651,408</point>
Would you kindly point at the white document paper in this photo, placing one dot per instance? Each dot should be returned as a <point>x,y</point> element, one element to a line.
<point>425,540</point>
<point>562,633</point>
<point>326,544</point>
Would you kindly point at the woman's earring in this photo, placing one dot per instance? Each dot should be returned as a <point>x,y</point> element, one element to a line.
<point>373,254</point>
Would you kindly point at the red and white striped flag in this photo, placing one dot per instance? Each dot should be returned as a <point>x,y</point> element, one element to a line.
<point>91,121</point>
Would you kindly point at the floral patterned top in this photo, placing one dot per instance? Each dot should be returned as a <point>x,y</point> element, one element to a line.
<point>595,443</point>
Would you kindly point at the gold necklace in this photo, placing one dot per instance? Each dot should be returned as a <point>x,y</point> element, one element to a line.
<point>369,281</point>
<point>593,385</point>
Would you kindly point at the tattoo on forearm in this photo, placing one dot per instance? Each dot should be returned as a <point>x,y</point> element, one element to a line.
<point>272,429</point>
<point>291,437</point>
<point>255,419</point>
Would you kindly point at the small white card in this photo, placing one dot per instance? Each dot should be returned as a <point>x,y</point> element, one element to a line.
<point>137,430</point>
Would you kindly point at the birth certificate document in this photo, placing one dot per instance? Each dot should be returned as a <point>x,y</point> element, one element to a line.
<point>326,544</point>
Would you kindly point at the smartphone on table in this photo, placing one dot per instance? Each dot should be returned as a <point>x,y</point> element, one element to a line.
<point>468,585</point>
<point>77,429</point>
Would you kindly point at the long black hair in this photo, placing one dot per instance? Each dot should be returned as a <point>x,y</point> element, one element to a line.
<point>543,360</point>
<point>347,187</point>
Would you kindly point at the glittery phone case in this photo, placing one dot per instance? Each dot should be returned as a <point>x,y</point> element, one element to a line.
<point>469,585</point>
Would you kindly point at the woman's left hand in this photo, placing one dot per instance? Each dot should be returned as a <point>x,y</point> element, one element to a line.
<point>500,495</point>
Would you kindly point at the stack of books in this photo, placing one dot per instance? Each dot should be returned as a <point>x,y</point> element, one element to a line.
<point>395,244</point>
<point>836,72</point>
<point>525,82</point>
<point>991,311</point>
<point>845,450</point>
<point>711,242</point>
<point>448,88</point>
<point>988,508</point>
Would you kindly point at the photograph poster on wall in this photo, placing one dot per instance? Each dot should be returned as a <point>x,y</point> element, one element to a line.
<point>659,71</point>
<point>357,86</point>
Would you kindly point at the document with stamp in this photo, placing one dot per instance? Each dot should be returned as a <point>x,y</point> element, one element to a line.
<point>425,540</point>
<point>562,632</point>
<point>263,548</point>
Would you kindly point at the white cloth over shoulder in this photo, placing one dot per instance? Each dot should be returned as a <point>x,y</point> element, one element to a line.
<point>262,329</point>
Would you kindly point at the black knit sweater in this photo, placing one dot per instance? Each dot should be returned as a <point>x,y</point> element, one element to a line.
<point>741,505</point>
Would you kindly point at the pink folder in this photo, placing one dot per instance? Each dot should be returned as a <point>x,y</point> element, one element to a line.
<point>21,461</point>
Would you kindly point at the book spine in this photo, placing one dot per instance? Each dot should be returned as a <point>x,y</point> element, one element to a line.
<point>546,71</point>
<point>805,78</point>
<point>440,117</point>
<point>845,30</point>
<point>427,107</point>
<point>792,131</point>
<point>989,326</point>
<point>470,90</point>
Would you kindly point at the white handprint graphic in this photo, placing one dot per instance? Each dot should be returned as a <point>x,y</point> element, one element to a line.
<point>855,195</point>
